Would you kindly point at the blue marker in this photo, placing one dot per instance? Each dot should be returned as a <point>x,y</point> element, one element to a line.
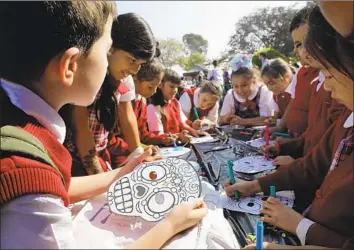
<point>231,176</point>
<point>259,235</point>
<point>174,143</point>
<point>272,191</point>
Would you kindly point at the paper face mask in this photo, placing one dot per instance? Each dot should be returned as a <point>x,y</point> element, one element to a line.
<point>153,188</point>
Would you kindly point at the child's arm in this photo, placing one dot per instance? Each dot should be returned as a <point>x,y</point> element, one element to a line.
<point>83,188</point>
<point>128,125</point>
<point>85,143</point>
<point>227,110</point>
<point>178,219</point>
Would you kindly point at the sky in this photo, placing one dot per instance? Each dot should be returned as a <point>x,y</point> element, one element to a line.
<point>214,20</point>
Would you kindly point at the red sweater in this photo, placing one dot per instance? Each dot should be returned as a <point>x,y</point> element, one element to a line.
<point>171,119</point>
<point>22,176</point>
<point>299,107</point>
<point>283,101</point>
<point>332,208</point>
<point>323,111</point>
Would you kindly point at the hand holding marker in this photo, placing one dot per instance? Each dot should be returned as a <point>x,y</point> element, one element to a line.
<point>196,113</point>
<point>174,142</point>
<point>232,177</point>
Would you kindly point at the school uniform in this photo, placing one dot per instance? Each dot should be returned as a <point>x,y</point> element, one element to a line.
<point>256,105</point>
<point>170,121</point>
<point>280,102</point>
<point>119,148</point>
<point>328,168</point>
<point>100,135</point>
<point>323,111</point>
<point>190,100</point>
<point>34,200</point>
<point>299,106</point>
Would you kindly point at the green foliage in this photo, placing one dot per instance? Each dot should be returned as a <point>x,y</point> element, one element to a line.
<point>264,28</point>
<point>271,53</point>
<point>195,43</point>
<point>190,62</point>
<point>171,52</point>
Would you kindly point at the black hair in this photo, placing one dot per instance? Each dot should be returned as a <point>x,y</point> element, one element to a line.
<point>131,33</point>
<point>32,33</point>
<point>244,71</point>
<point>150,71</point>
<point>169,76</point>
<point>300,18</point>
<point>215,63</point>
<point>276,68</point>
<point>212,87</point>
<point>327,46</point>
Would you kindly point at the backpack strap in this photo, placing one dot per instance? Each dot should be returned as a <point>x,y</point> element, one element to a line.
<point>19,142</point>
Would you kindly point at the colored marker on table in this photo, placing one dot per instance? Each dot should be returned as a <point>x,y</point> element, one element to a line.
<point>196,113</point>
<point>174,143</point>
<point>272,191</point>
<point>281,134</point>
<point>232,177</point>
<point>259,235</point>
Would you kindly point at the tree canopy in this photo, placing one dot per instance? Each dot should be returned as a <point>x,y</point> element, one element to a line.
<point>195,43</point>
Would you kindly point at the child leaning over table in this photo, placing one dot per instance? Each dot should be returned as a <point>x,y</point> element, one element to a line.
<point>64,39</point>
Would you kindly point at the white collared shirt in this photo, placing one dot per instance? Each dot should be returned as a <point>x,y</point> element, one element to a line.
<point>154,118</point>
<point>186,105</point>
<point>129,96</point>
<point>290,89</point>
<point>36,220</point>
<point>228,105</point>
<point>320,78</point>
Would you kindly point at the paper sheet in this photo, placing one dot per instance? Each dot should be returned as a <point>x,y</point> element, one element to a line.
<point>252,165</point>
<point>257,143</point>
<point>174,152</point>
<point>203,139</point>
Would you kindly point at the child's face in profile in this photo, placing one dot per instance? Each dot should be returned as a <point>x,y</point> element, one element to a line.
<point>92,69</point>
<point>243,85</point>
<point>340,86</point>
<point>207,100</point>
<point>277,85</point>
<point>169,90</point>
<point>148,88</point>
<point>123,64</point>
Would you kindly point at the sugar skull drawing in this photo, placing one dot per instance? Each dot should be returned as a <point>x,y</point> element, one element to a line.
<point>153,188</point>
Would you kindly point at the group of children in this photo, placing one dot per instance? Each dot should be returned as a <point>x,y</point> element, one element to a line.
<point>117,103</point>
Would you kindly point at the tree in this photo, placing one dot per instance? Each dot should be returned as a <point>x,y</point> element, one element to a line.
<point>266,27</point>
<point>194,59</point>
<point>171,52</point>
<point>195,43</point>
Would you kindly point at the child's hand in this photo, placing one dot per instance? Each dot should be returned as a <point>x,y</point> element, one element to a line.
<point>168,140</point>
<point>236,120</point>
<point>283,160</point>
<point>197,124</point>
<point>155,149</point>
<point>280,215</point>
<point>245,188</point>
<point>272,150</point>
<point>202,133</point>
<point>186,215</point>
<point>184,137</point>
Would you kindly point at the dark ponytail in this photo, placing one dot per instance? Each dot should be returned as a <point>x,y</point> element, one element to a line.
<point>106,105</point>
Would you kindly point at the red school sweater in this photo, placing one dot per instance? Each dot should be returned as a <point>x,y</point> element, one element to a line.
<point>322,113</point>
<point>171,119</point>
<point>22,176</point>
<point>299,107</point>
<point>332,207</point>
<point>283,101</point>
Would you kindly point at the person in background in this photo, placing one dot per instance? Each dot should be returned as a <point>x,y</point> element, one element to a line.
<point>264,59</point>
<point>146,82</point>
<point>328,221</point>
<point>227,81</point>
<point>277,76</point>
<point>205,101</point>
<point>164,113</point>
<point>215,74</point>
<point>247,102</point>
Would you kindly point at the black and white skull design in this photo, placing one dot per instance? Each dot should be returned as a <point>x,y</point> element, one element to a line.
<point>153,188</point>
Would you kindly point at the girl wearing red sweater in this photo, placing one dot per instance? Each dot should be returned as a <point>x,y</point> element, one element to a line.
<point>328,221</point>
<point>164,113</point>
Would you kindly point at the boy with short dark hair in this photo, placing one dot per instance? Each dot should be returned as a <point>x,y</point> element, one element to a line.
<point>54,53</point>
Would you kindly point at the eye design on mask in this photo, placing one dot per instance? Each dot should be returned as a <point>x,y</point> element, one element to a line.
<point>153,173</point>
